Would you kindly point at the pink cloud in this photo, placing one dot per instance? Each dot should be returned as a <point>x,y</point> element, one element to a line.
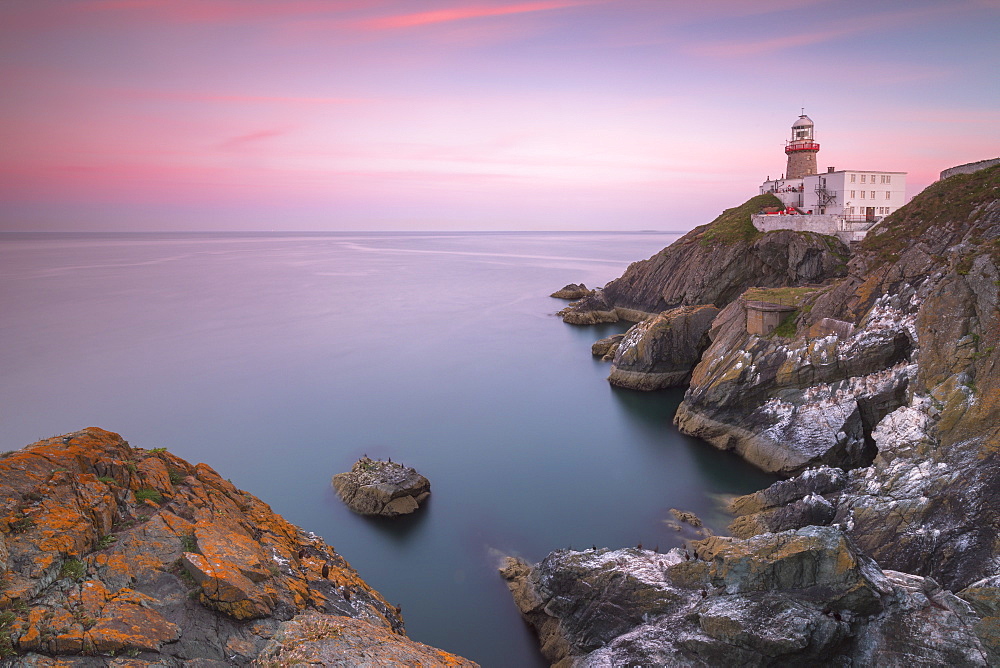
<point>250,138</point>
<point>463,13</point>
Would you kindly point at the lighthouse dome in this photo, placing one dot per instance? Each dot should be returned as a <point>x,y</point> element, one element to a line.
<point>803,122</point>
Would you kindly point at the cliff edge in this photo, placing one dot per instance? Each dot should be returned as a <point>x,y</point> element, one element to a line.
<point>878,394</point>
<point>114,555</point>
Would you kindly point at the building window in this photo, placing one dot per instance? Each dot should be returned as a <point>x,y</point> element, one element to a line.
<point>888,178</point>
<point>852,177</point>
<point>862,178</point>
<point>873,178</point>
<point>873,193</point>
<point>852,193</point>
<point>888,194</point>
<point>862,194</point>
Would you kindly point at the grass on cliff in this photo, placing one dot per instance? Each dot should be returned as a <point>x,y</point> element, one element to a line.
<point>783,296</point>
<point>953,200</point>
<point>733,225</point>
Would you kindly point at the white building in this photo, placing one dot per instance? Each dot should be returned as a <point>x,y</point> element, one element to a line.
<point>856,195</point>
<point>845,202</point>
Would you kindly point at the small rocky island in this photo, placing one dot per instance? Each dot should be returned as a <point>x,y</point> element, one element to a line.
<point>386,489</point>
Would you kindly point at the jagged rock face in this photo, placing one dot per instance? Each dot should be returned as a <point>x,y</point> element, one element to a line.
<point>805,597</point>
<point>661,352</point>
<point>691,272</point>
<point>388,489</point>
<point>115,549</point>
<point>921,374</point>
<point>787,405</point>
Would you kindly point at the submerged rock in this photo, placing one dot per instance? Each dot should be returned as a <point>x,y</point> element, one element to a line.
<point>110,549</point>
<point>572,291</point>
<point>805,597</point>
<point>374,487</point>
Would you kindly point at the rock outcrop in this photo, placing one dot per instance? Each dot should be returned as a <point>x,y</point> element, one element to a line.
<point>607,347</point>
<point>572,291</point>
<point>388,489</point>
<point>801,597</point>
<point>714,264</point>
<point>113,550</point>
<point>906,401</point>
<point>661,352</point>
<point>879,394</point>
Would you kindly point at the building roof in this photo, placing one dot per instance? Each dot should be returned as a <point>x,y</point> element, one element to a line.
<point>804,121</point>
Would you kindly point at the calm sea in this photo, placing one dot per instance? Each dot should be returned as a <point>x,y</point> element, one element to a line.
<point>280,359</point>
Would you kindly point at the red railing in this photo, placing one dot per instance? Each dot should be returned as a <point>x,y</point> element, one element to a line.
<point>801,146</point>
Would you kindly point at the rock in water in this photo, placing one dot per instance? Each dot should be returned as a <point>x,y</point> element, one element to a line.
<point>572,291</point>
<point>388,489</point>
<point>607,346</point>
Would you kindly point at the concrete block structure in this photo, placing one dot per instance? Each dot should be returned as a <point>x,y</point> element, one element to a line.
<point>764,317</point>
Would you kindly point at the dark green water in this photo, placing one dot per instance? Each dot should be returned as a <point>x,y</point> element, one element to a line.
<point>279,360</point>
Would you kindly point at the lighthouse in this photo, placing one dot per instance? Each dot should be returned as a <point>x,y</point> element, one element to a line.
<point>801,150</point>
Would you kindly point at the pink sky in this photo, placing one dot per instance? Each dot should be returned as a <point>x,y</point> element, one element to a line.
<point>464,114</point>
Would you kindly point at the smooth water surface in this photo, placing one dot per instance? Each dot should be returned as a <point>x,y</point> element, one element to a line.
<point>279,360</point>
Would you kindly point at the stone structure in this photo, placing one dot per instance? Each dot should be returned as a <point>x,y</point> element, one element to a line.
<point>764,317</point>
<point>969,167</point>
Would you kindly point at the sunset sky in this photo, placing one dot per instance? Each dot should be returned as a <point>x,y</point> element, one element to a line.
<point>470,114</point>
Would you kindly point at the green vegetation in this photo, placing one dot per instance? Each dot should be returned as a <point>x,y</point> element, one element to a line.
<point>107,541</point>
<point>954,199</point>
<point>175,476</point>
<point>188,543</point>
<point>148,494</point>
<point>783,296</point>
<point>6,644</point>
<point>157,450</point>
<point>74,569</point>
<point>21,524</point>
<point>107,480</point>
<point>786,328</point>
<point>733,225</point>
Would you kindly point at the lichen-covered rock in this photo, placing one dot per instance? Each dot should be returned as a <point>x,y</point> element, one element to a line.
<point>805,597</point>
<point>119,550</point>
<point>572,291</point>
<point>374,487</point>
<point>661,352</point>
<point>327,640</point>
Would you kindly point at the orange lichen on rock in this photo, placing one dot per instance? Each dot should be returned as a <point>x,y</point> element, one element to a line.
<point>101,571</point>
<point>316,639</point>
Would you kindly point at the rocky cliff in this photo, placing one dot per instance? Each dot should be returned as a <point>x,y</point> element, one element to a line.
<point>879,394</point>
<point>906,399</point>
<point>714,264</point>
<point>804,597</point>
<point>112,551</point>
